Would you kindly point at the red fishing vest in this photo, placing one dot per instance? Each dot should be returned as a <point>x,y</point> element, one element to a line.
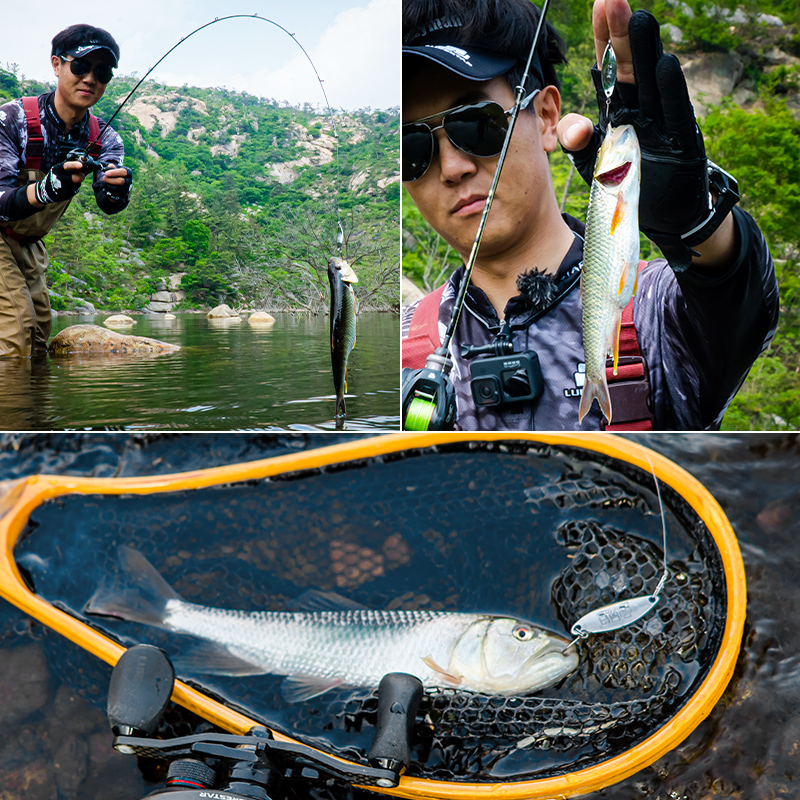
<point>33,152</point>
<point>629,388</point>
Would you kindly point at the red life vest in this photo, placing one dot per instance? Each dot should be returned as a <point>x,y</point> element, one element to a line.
<point>629,388</point>
<point>35,148</point>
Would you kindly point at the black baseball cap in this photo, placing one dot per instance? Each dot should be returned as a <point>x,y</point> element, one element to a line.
<point>90,47</point>
<point>440,41</point>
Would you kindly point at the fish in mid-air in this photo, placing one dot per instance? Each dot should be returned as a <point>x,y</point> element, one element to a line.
<point>610,258</point>
<point>345,645</point>
<point>343,325</point>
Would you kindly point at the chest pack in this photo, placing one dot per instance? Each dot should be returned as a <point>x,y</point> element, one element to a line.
<point>629,388</point>
<point>35,147</point>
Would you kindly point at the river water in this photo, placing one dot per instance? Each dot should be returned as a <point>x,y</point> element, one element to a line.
<point>56,742</point>
<point>225,377</point>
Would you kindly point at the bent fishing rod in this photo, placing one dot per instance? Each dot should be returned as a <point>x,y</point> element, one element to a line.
<point>93,164</point>
<point>428,401</point>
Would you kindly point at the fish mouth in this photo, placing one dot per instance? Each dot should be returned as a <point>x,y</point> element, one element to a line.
<point>470,204</point>
<point>615,175</point>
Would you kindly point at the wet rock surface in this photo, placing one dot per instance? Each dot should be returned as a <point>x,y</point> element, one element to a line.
<point>94,340</point>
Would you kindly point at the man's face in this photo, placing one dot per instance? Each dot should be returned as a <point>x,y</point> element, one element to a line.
<point>452,193</point>
<point>80,91</point>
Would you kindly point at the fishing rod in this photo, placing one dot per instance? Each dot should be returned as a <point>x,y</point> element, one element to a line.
<point>428,401</point>
<point>93,164</point>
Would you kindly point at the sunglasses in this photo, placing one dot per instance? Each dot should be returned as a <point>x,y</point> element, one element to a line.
<point>478,129</point>
<point>79,66</point>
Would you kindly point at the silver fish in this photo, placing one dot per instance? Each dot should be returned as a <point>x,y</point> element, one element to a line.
<point>343,325</point>
<point>320,650</point>
<point>611,258</point>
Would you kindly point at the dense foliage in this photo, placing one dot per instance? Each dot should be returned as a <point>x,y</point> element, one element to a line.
<point>759,144</point>
<point>239,195</point>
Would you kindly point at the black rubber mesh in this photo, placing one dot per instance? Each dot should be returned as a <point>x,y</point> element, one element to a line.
<point>536,532</point>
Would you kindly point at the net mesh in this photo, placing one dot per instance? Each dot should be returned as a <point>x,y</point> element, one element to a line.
<point>542,533</point>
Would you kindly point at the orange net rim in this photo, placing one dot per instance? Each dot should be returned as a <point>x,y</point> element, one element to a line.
<point>18,500</point>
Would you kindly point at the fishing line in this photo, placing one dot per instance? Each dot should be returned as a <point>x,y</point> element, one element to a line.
<point>626,612</point>
<point>340,235</point>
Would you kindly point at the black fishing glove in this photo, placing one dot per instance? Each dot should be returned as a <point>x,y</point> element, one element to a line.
<point>111,197</point>
<point>56,186</point>
<point>676,209</point>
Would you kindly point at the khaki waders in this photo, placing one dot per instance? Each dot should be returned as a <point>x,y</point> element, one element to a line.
<point>25,318</point>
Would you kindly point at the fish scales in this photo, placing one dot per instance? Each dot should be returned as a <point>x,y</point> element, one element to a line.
<point>611,258</point>
<point>358,646</point>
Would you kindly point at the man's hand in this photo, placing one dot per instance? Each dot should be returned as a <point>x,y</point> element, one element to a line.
<point>61,183</point>
<point>114,189</point>
<point>117,176</point>
<point>651,95</point>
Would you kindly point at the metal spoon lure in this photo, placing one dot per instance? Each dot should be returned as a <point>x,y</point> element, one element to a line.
<point>608,74</point>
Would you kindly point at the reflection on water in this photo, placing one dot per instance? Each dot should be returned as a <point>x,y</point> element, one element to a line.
<point>57,743</point>
<point>229,376</point>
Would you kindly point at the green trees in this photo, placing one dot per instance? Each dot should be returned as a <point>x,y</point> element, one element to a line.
<point>237,193</point>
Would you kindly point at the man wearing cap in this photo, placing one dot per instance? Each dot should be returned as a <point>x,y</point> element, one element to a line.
<point>37,184</point>
<point>702,314</point>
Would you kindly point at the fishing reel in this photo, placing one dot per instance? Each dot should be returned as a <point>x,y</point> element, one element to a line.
<point>501,376</point>
<point>428,395</point>
<point>90,164</point>
<point>254,766</point>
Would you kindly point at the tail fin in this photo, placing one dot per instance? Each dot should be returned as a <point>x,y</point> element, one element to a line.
<point>592,389</point>
<point>340,402</point>
<point>138,593</point>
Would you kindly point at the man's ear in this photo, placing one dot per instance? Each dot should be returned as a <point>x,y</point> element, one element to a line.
<point>548,110</point>
<point>56,62</point>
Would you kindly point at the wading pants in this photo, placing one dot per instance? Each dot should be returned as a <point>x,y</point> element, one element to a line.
<point>24,300</point>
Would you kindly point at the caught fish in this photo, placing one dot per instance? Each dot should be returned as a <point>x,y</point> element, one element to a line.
<point>343,324</point>
<point>611,258</point>
<point>342,644</point>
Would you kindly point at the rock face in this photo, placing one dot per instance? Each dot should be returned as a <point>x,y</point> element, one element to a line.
<point>711,76</point>
<point>94,340</point>
<point>168,295</point>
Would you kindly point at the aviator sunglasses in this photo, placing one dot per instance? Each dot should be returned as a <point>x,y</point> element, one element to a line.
<point>79,66</point>
<point>478,129</point>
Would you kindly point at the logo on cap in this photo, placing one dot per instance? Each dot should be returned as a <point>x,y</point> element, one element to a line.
<point>463,55</point>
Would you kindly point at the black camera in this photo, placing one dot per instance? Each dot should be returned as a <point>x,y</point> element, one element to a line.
<point>499,380</point>
<point>501,376</point>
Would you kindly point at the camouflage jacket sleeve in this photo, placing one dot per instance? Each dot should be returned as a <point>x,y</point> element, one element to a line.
<point>700,332</point>
<point>13,138</point>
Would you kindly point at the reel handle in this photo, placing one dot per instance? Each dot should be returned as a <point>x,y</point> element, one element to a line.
<point>139,691</point>
<point>398,699</point>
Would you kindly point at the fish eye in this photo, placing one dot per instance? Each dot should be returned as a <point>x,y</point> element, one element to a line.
<point>522,633</point>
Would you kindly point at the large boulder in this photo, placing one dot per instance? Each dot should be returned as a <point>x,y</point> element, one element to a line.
<point>221,312</point>
<point>261,318</point>
<point>119,321</point>
<point>94,340</point>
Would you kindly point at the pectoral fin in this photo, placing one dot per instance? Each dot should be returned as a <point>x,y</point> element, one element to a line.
<point>455,680</point>
<point>619,213</point>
